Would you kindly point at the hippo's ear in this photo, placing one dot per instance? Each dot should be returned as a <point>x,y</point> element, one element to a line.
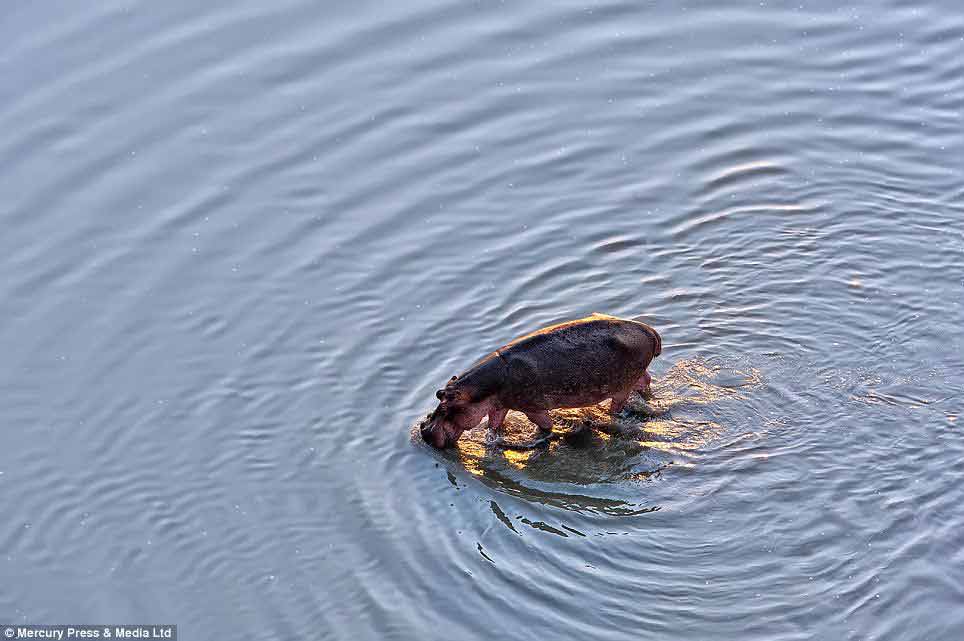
<point>440,394</point>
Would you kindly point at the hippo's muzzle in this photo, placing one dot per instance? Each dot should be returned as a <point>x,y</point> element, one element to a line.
<point>442,428</point>
<point>432,433</point>
<point>428,434</point>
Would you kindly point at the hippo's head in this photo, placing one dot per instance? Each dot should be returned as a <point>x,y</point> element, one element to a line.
<point>455,413</point>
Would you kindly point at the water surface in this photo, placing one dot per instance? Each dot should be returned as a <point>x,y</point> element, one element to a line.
<point>244,243</point>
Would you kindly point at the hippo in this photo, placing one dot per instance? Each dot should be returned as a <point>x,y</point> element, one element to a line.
<point>572,364</point>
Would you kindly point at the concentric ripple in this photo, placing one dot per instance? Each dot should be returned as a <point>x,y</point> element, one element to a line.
<point>243,244</point>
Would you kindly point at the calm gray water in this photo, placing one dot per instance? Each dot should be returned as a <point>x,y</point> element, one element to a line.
<point>243,244</point>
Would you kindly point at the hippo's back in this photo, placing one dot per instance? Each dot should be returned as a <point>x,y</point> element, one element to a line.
<point>576,363</point>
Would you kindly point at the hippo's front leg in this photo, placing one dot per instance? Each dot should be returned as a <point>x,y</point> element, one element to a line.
<point>496,418</point>
<point>544,422</point>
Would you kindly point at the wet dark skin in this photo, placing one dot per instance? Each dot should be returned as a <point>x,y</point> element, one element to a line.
<point>573,364</point>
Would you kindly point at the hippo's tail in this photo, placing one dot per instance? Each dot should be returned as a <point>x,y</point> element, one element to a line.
<point>656,337</point>
<point>659,342</point>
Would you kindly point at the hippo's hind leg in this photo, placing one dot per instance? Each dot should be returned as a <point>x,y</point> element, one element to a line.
<point>643,385</point>
<point>618,402</point>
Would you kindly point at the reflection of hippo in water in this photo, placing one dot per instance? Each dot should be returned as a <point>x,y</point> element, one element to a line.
<point>572,364</point>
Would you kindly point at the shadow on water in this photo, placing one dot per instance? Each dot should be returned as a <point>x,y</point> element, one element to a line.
<point>591,451</point>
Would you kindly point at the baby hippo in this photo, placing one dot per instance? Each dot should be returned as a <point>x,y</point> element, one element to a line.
<point>572,364</point>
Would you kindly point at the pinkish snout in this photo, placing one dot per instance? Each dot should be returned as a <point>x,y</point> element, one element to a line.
<point>433,430</point>
<point>438,437</point>
<point>455,414</point>
<point>433,437</point>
